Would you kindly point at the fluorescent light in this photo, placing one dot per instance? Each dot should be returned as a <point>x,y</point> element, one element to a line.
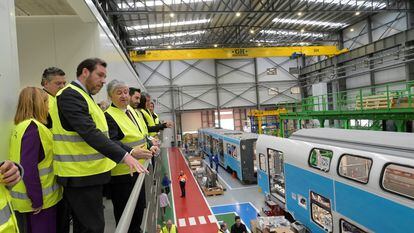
<point>294,33</point>
<point>181,42</point>
<point>356,3</point>
<point>169,35</point>
<point>310,22</point>
<point>151,3</point>
<point>169,24</point>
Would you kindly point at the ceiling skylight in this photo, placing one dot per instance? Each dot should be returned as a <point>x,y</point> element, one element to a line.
<point>181,42</point>
<point>356,3</point>
<point>169,24</point>
<point>152,3</point>
<point>169,35</point>
<point>310,22</point>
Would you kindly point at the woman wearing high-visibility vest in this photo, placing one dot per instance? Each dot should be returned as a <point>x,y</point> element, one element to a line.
<point>9,176</point>
<point>153,128</point>
<point>35,197</point>
<point>125,130</point>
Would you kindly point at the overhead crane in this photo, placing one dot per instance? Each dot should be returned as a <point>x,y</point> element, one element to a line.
<point>233,53</point>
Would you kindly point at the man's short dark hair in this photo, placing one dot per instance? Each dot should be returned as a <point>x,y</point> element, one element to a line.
<point>89,64</point>
<point>222,225</point>
<point>132,91</point>
<point>237,217</point>
<point>50,72</point>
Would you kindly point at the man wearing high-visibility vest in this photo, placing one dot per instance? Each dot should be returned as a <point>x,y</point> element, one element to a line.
<point>169,227</point>
<point>53,80</point>
<point>83,153</point>
<point>125,130</point>
<point>9,176</point>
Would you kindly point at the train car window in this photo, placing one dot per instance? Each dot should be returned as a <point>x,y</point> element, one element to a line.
<point>347,227</point>
<point>276,174</point>
<point>232,150</point>
<point>321,211</point>
<point>355,167</point>
<point>320,159</point>
<point>398,179</point>
<point>262,162</point>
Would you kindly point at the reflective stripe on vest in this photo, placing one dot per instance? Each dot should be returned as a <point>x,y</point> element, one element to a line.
<point>52,192</point>
<point>8,221</point>
<point>73,157</point>
<point>132,135</point>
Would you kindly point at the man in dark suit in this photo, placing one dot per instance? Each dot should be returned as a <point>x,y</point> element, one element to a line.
<point>84,155</point>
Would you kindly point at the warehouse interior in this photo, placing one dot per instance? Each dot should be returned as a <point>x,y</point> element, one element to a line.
<point>213,67</point>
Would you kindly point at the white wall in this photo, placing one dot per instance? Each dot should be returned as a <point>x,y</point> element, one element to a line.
<point>191,121</point>
<point>235,77</point>
<point>64,41</point>
<point>383,24</point>
<point>9,73</point>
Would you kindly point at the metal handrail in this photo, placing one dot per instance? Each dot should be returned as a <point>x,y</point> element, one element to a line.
<point>125,221</point>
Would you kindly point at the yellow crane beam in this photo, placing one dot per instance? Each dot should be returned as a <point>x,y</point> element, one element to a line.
<point>233,53</point>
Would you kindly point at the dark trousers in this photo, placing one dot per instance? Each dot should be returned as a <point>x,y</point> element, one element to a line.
<point>217,165</point>
<point>86,207</point>
<point>167,189</point>
<point>182,187</point>
<point>119,195</point>
<point>63,217</point>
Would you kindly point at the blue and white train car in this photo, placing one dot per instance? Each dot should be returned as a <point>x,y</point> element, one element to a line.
<point>235,150</point>
<point>334,180</point>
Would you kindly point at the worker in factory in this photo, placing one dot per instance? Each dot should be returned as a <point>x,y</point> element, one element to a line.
<point>53,80</point>
<point>125,130</point>
<point>10,174</point>
<point>83,152</point>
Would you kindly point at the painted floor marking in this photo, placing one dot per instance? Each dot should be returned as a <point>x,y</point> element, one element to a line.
<point>202,219</point>
<point>181,222</point>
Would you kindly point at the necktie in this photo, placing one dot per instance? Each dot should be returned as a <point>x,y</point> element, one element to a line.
<point>129,114</point>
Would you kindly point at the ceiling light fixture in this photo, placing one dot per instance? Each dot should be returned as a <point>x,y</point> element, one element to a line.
<point>215,45</point>
<point>351,29</point>
<point>294,33</point>
<point>152,3</point>
<point>169,46</point>
<point>238,14</point>
<point>302,30</point>
<point>299,13</point>
<point>169,35</point>
<point>357,13</point>
<point>169,24</point>
<point>310,22</point>
<point>172,15</point>
<point>259,44</point>
<point>251,31</point>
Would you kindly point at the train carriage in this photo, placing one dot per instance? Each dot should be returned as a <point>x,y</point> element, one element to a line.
<point>334,180</point>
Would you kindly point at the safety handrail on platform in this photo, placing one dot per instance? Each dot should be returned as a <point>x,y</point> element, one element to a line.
<point>386,97</point>
<point>125,221</point>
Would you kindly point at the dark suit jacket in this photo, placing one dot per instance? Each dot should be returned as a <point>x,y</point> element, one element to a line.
<point>74,116</point>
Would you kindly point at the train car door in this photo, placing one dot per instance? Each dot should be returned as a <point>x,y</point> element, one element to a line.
<point>275,163</point>
<point>221,152</point>
<point>262,176</point>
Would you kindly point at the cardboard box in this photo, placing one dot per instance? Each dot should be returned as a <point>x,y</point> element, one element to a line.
<point>283,230</point>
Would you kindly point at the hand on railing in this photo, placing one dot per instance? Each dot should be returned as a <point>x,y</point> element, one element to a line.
<point>140,153</point>
<point>134,165</point>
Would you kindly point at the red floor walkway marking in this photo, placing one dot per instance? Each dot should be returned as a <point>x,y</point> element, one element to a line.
<point>192,211</point>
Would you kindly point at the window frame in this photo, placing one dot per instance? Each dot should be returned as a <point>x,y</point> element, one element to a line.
<point>349,178</point>
<point>320,206</point>
<point>330,162</point>
<point>382,178</point>
<point>260,162</point>
<point>344,220</point>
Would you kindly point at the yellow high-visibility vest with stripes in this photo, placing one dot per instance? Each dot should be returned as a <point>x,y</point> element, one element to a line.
<point>51,190</point>
<point>141,122</point>
<point>150,121</point>
<point>132,135</point>
<point>73,157</point>
<point>52,101</point>
<point>8,221</point>
<point>172,230</point>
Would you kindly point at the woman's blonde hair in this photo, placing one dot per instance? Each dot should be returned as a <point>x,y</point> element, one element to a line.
<point>33,103</point>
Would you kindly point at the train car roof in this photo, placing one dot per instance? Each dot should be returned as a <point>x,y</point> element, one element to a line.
<point>237,134</point>
<point>395,143</point>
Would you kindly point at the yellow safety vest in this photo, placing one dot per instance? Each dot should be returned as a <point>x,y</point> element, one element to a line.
<point>8,223</point>
<point>73,157</point>
<point>51,190</point>
<point>173,229</point>
<point>132,135</point>
<point>141,122</point>
<point>150,120</point>
<point>52,101</point>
